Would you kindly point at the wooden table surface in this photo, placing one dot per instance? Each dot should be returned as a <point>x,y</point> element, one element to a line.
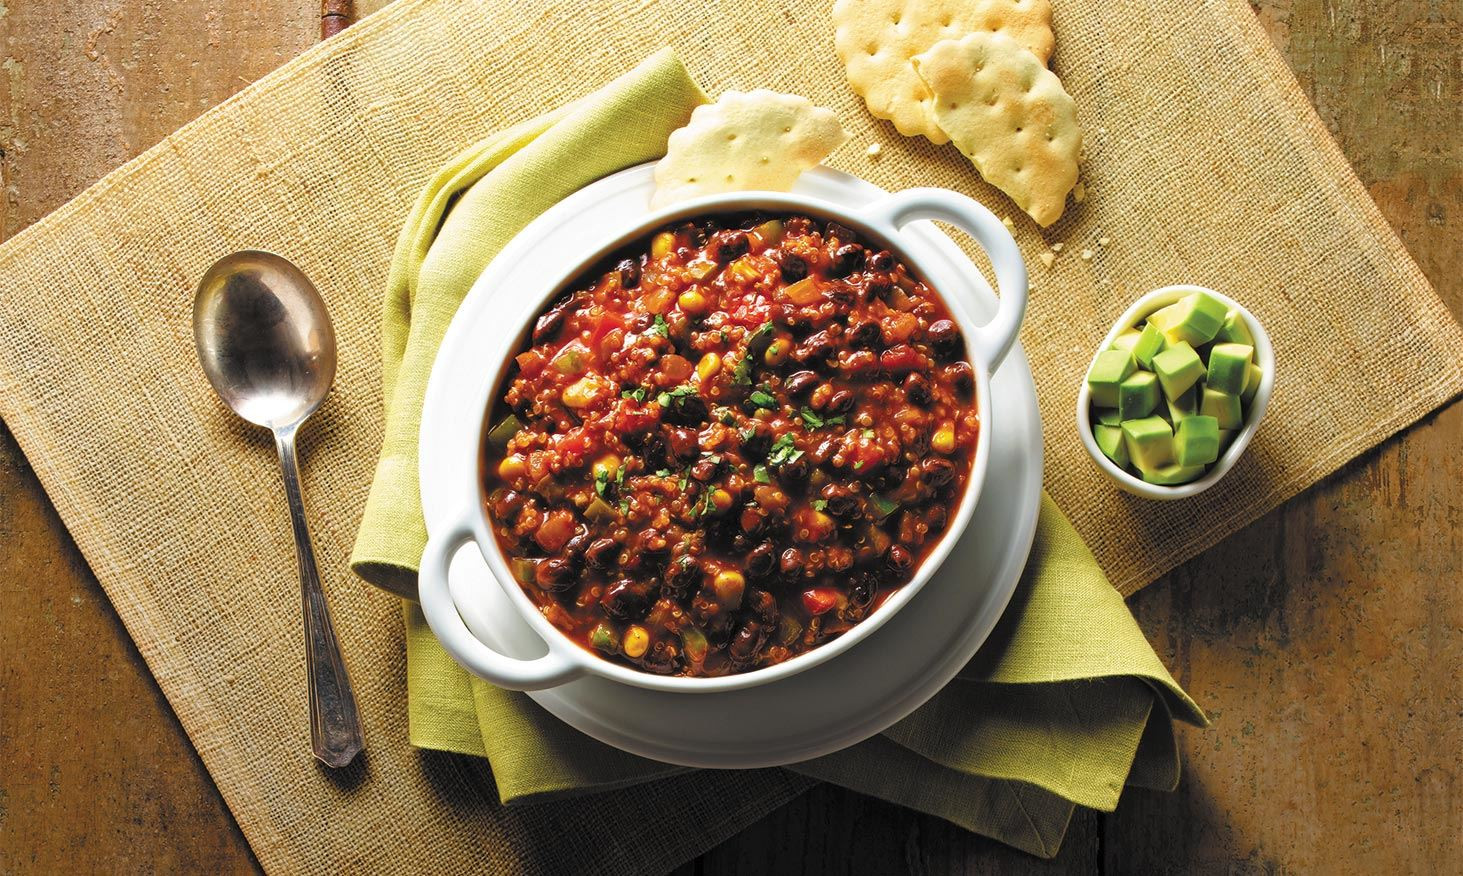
<point>1325,640</point>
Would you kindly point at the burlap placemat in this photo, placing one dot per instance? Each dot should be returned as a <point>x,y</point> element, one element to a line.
<point>1205,163</point>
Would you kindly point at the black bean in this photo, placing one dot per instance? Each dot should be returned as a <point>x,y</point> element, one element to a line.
<point>627,599</point>
<point>554,575</point>
<point>882,260</point>
<point>842,501</point>
<point>917,389</point>
<point>937,517</point>
<point>961,377</point>
<point>683,444</point>
<point>602,553</point>
<point>899,558</point>
<point>730,245</point>
<point>794,470</point>
<point>800,383</point>
<point>841,402</point>
<point>944,338</point>
<point>867,334</point>
<point>654,543</point>
<point>763,607</point>
<point>683,576</point>
<point>746,642</point>
<point>936,471</point>
<point>576,545</point>
<point>629,273</point>
<point>878,287</point>
<point>688,410</point>
<point>549,324</point>
<point>790,563</point>
<point>792,265</point>
<point>814,349</point>
<point>838,232</point>
<point>846,260</point>
<point>762,560</point>
<point>756,440</point>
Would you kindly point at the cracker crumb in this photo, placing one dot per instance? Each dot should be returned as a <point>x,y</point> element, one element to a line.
<point>1057,247</point>
<point>1006,221</point>
<point>1103,241</point>
<point>874,150</point>
<point>1046,258</point>
<point>1086,255</point>
<point>1079,192</point>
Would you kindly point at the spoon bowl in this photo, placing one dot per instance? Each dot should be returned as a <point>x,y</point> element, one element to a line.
<point>264,338</point>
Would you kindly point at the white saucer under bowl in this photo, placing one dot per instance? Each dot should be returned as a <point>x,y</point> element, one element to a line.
<point>829,706</point>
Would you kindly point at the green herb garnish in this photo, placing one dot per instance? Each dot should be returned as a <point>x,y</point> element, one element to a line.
<point>882,506</point>
<point>820,504</point>
<point>763,399</point>
<point>869,434</point>
<point>660,327</point>
<point>601,482</point>
<point>784,450</point>
<point>813,420</point>
<point>638,393</point>
<point>761,475</point>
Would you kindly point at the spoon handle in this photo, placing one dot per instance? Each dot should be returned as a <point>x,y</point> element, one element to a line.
<point>335,725</point>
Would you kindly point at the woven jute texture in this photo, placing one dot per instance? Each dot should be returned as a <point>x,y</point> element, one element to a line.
<point>1204,164</point>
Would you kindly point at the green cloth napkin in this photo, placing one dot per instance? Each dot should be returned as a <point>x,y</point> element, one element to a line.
<point>1065,705</point>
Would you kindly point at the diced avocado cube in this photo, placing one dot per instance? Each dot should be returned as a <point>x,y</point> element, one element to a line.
<point>1253,373</point>
<point>1186,405</point>
<point>1109,417</point>
<point>1235,330</point>
<point>1126,341</point>
<point>1178,368</point>
<point>1111,369</point>
<point>1195,318</point>
<point>1196,441</point>
<point>1110,442</point>
<point>1229,367</point>
<point>1138,395</point>
<point>1149,441</point>
<point>1147,345</point>
<point>1221,406</point>
<point>1172,475</point>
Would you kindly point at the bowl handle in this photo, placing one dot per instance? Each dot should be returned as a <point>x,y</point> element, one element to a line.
<point>993,340</point>
<point>554,668</point>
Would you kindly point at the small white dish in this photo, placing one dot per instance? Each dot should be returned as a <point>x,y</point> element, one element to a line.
<point>1264,357</point>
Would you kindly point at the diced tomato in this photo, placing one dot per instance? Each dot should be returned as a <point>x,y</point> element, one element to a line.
<point>632,418</point>
<point>676,368</point>
<point>531,363</point>
<point>820,600</point>
<point>900,358</point>
<point>555,531</point>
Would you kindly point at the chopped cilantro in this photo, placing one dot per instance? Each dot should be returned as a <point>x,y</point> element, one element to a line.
<point>663,473</point>
<point>713,458</point>
<point>620,476</point>
<point>820,504</point>
<point>784,450</point>
<point>624,506</point>
<point>638,393</point>
<point>760,475</point>
<point>762,399</point>
<point>869,433</point>
<point>664,399</point>
<point>813,420</point>
<point>742,374</point>
<point>660,327</point>
<point>601,482</point>
<point>725,338</point>
<point>858,465</point>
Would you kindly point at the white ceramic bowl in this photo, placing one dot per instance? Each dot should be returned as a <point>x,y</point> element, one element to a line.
<point>880,223</point>
<point>1255,411</point>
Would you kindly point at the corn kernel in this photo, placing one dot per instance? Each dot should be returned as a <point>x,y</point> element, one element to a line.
<point>512,468</point>
<point>708,366</point>
<point>693,303</point>
<point>944,440</point>
<point>729,586</point>
<point>721,499</point>
<point>662,244</point>
<point>777,351</point>
<point>606,467</point>
<point>583,392</point>
<point>636,641</point>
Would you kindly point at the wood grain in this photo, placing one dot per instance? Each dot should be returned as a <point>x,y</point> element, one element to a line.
<point>1325,638</point>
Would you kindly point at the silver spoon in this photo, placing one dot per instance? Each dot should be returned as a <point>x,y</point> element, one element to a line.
<point>268,348</point>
